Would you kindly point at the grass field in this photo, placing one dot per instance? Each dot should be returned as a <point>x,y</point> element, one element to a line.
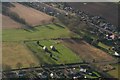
<point>115,73</point>
<point>17,52</point>
<point>64,55</point>
<point>40,32</point>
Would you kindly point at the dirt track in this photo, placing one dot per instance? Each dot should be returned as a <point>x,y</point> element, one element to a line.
<point>107,10</point>
<point>88,52</point>
<point>9,23</point>
<point>31,16</point>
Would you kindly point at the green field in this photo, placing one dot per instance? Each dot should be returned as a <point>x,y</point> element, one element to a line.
<point>14,48</point>
<point>64,55</point>
<point>115,73</point>
<point>40,32</point>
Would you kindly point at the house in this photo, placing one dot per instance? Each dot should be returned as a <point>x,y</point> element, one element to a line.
<point>52,47</point>
<point>116,54</point>
<point>83,70</point>
<point>51,75</point>
<point>45,48</point>
<point>110,36</point>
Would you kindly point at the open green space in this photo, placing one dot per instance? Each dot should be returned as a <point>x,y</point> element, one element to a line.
<point>15,50</point>
<point>40,32</point>
<point>115,73</point>
<point>61,56</point>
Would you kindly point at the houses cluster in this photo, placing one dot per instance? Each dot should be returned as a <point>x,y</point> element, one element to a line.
<point>51,47</point>
<point>104,28</point>
<point>46,49</point>
<point>51,9</point>
<point>64,9</point>
<point>60,72</point>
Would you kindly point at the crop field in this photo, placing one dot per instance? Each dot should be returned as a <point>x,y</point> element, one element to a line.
<point>34,54</point>
<point>99,8</point>
<point>17,52</point>
<point>9,23</point>
<point>88,52</point>
<point>40,32</point>
<point>31,16</point>
<point>60,56</point>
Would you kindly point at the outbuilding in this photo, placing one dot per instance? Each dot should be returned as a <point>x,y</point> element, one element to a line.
<point>45,48</point>
<point>52,47</point>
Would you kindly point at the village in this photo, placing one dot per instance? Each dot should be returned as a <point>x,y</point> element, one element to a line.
<point>68,71</point>
<point>100,27</point>
<point>98,32</point>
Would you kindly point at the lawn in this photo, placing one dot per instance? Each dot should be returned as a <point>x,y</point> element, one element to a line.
<point>16,52</point>
<point>61,56</point>
<point>40,32</point>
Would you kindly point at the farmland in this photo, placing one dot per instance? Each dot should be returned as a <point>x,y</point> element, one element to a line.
<point>34,17</point>
<point>46,42</point>
<point>61,56</point>
<point>9,23</point>
<point>13,39</point>
<point>101,9</point>
<point>84,50</point>
<point>40,32</point>
<point>17,52</point>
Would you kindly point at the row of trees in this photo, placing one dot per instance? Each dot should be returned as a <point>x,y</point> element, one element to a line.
<point>6,11</point>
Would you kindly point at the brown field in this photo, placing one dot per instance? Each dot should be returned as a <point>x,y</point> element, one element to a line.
<point>17,52</point>
<point>106,10</point>
<point>88,52</point>
<point>31,16</point>
<point>9,23</point>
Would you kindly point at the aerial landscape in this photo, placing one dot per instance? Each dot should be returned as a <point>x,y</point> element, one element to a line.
<point>60,40</point>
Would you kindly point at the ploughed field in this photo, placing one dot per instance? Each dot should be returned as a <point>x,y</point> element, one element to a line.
<point>30,15</point>
<point>88,52</point>
<point>107,10</point>
<point>7,23</point>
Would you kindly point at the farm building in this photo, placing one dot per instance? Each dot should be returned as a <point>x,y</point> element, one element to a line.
<point>52,47</point>
<point>45,48</point>
<point>116,54</point>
